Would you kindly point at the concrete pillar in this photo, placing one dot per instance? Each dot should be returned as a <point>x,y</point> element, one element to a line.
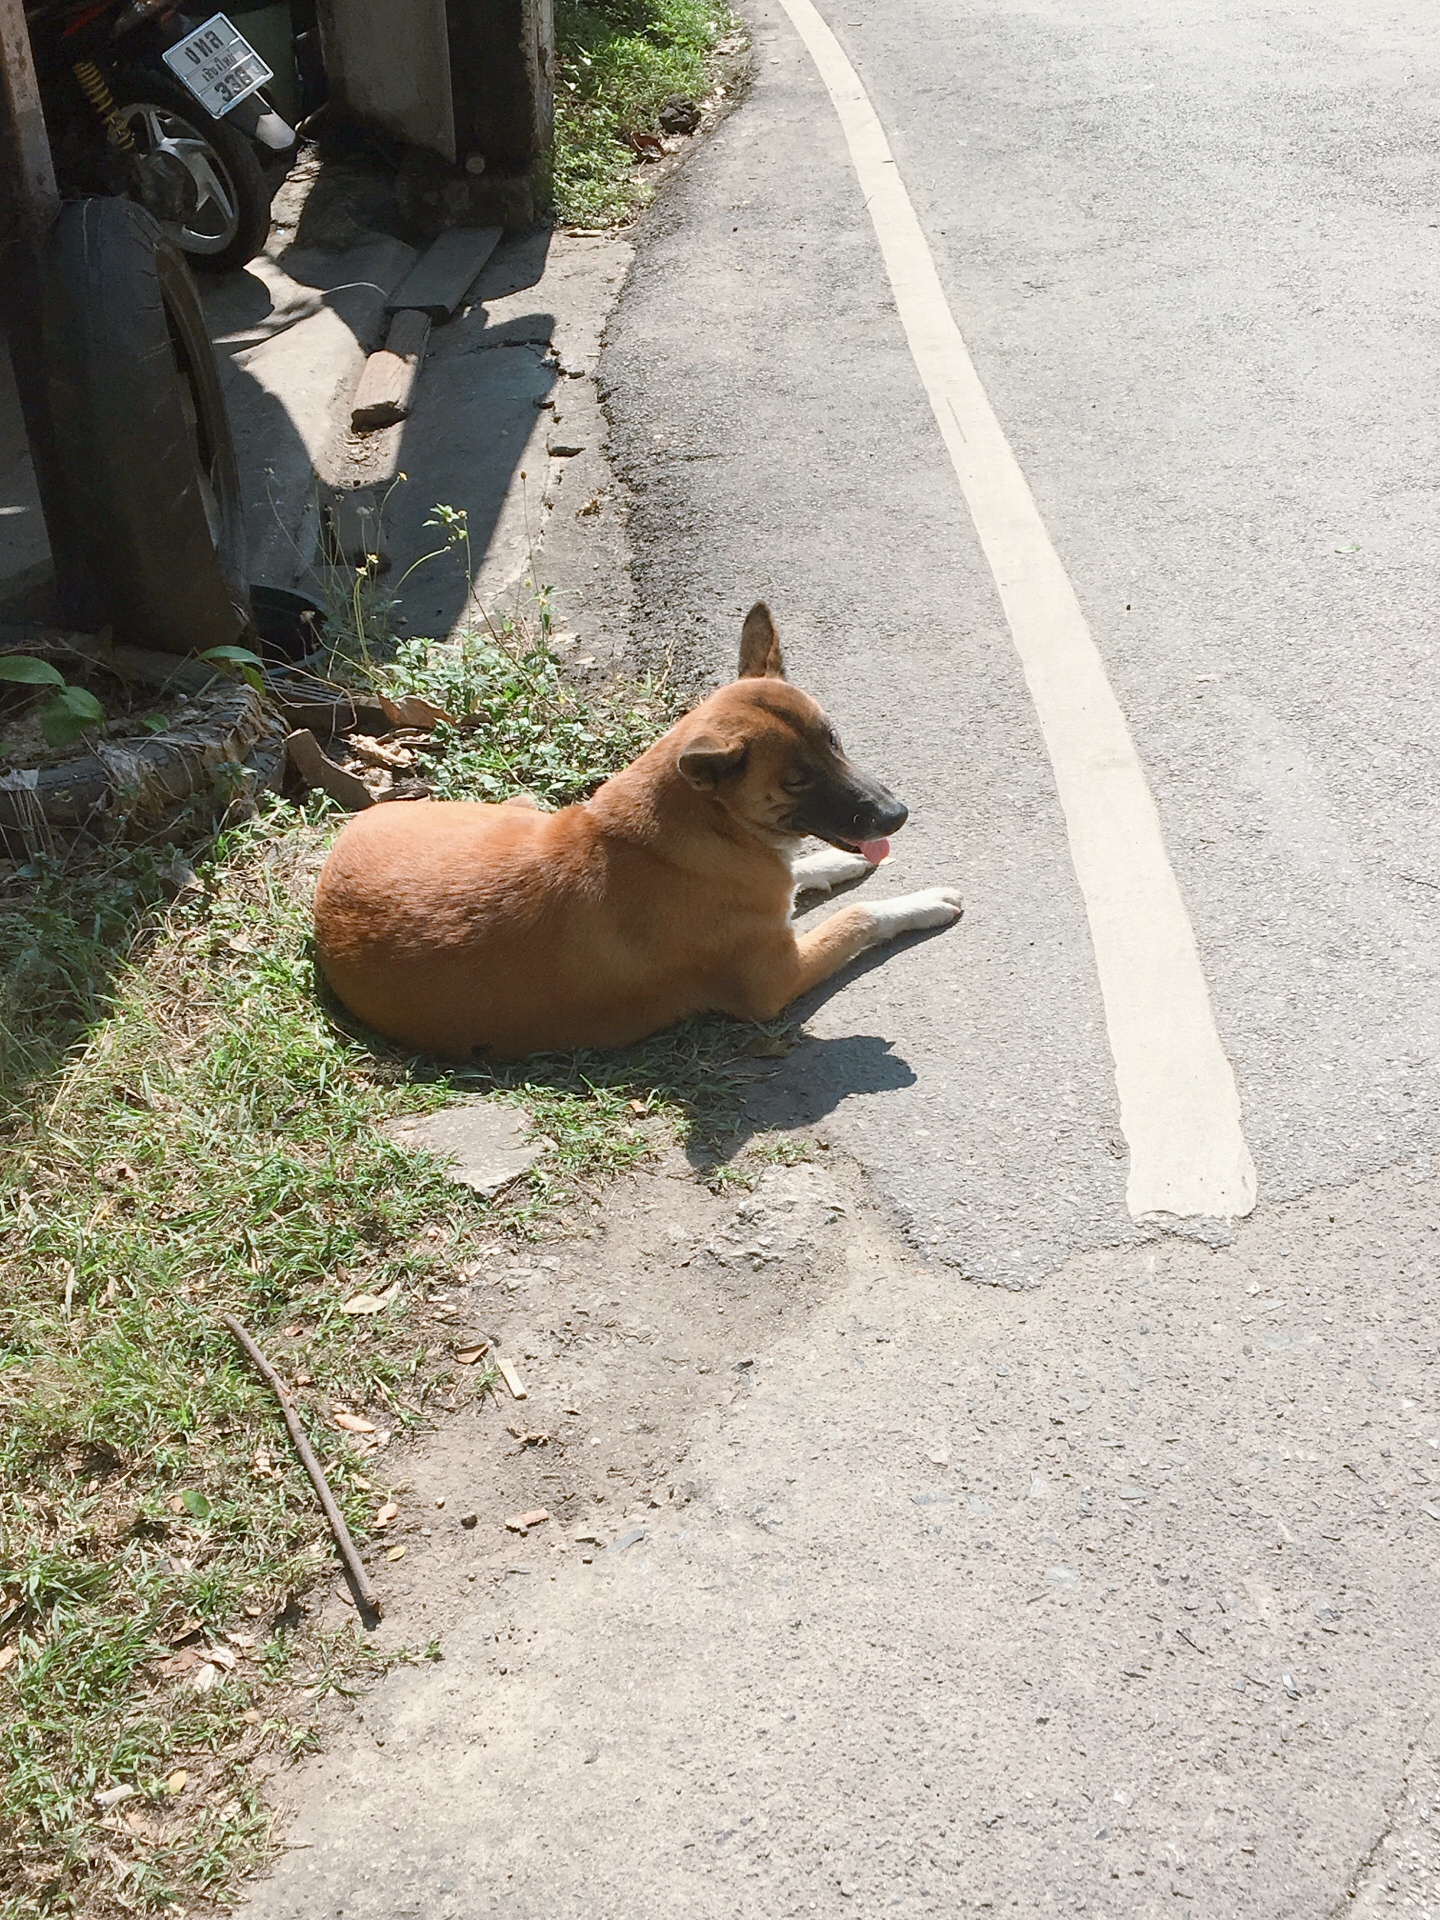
<point>502,55</point>
<point>468,80</point>
<point>388,64</point>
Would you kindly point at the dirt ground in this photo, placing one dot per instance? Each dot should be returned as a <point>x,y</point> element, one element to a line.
<point>622,1337</point>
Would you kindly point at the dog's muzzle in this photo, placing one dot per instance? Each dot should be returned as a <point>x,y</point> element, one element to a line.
<point>854,816</point>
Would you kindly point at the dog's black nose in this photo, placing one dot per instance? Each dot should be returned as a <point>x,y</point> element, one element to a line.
<point>888,816</point>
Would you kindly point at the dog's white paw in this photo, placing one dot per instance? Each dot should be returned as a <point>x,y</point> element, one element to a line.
<point>831,867</point>
<point>935,907</point>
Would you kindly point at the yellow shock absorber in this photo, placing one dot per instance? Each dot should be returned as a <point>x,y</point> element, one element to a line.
<point>92,82</point>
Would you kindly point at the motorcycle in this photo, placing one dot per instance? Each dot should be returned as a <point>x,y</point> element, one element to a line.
<point>145,101</point>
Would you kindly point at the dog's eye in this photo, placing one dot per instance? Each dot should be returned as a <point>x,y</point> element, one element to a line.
<point>832,740</point>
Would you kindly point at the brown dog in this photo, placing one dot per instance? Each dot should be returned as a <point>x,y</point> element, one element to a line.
<point>459,929</point>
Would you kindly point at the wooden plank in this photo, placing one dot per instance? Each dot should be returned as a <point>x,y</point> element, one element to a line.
<point>316,770</point>
<point>509,1374</point>
<point>445,272</point>
<point>387,381</point>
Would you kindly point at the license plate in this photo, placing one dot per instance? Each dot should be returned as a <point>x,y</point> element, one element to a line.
<point>218,65</point>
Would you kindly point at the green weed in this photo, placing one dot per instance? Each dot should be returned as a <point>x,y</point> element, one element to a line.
<point>523,728</point>
<point>617,62</point>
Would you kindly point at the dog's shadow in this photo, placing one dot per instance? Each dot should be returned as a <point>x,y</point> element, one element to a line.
<point>817,1075</point>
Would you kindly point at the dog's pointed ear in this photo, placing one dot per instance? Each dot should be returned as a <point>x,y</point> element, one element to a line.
<point>705,760</point>
<point>760,655</point>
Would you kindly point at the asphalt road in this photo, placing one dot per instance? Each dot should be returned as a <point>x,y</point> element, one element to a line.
<point>1108,1588</point>
<point>1195,253</point>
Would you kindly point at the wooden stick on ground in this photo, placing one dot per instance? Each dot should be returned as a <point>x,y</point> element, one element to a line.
<point>359,1578</point>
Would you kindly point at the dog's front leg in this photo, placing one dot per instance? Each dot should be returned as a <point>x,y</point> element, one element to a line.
<point>780,975</point>
<point>831,867</point>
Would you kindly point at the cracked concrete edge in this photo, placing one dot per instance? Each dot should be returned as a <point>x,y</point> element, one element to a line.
<point>1409,1817</point>
<point>581,546</point>
<point>541,536</point>
<point>493,375</point>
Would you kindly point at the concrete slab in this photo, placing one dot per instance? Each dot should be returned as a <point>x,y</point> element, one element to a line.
<point>443,275</point>
<point>486,1144</point>
<point>507,381</point>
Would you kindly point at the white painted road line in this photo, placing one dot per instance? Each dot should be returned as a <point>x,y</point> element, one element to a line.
<point>1179,1105</point>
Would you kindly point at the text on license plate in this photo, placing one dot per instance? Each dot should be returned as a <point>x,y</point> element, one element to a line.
<point>218,65</point>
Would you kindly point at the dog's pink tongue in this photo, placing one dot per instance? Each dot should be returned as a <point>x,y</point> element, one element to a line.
<point>875,851</point>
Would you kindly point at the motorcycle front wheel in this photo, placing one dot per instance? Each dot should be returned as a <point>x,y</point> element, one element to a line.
<point>198,177</point>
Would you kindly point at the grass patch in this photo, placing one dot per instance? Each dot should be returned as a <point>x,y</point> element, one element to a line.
<point>522,727</point>
<point>187,1132</point>
<point>617,62</point>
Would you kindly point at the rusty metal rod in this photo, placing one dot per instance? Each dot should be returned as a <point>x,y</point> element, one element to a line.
<point>359,1578</point>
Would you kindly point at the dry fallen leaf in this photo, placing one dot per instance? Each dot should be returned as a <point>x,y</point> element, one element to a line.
<point>177,1663</point>
<point>379,754</point>
<point>353,1423</point>
<point>175,1503</point>
<point>364,1303</point>
<point>205,1677</point>
<point>176,1782</point>
<point>223,1657</point>
<point>412,710</point>
<point>394,1553</point>
<point>386,1514</point>
<point>7,1654</point>
<point>467,1356</point>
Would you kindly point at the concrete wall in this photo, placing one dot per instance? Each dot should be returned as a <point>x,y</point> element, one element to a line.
<point>389,65</point>
<point>502,56</point>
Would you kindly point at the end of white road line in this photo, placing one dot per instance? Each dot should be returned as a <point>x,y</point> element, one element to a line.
<point>1190,1168</point>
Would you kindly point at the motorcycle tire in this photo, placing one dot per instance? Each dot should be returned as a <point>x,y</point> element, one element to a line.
<point>190,155</point>
<point>143,434</point>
